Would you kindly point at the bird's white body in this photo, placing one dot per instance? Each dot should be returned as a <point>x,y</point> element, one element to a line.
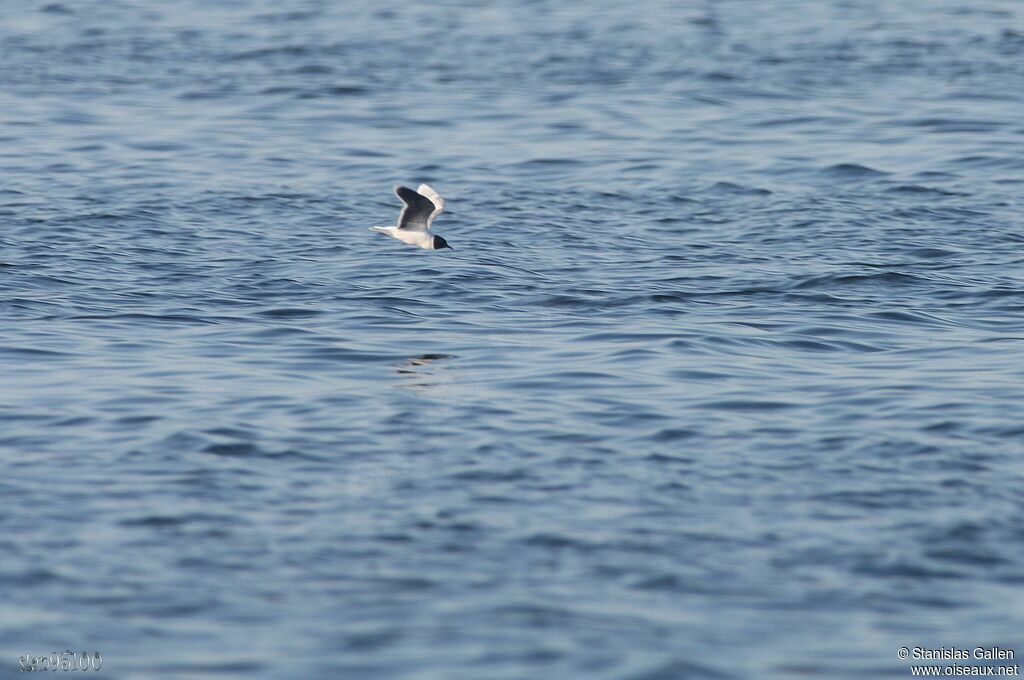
<point>418,213</point>
<point>423,239</point>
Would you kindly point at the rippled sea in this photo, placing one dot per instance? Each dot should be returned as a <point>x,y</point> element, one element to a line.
<point>723,378</point>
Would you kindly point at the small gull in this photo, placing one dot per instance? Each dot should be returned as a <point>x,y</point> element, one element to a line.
<point>421,207</point>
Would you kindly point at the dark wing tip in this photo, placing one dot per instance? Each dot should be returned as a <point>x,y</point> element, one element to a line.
<point>406,194</point>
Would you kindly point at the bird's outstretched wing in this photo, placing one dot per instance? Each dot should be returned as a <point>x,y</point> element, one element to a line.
<point>435,198</point>
<point>418,210</point>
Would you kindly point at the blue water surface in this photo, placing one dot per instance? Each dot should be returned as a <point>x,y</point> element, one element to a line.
<point>723,378</point>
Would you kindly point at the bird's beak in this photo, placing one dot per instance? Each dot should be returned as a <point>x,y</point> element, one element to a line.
<point>449,247</point>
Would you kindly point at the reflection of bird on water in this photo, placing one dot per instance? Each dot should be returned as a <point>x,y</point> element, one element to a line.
<point>423,369</point>
<point>427,359</point>
<point>423,360</point>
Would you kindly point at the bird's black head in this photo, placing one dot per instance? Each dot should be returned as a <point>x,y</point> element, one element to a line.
<point>439,243</point>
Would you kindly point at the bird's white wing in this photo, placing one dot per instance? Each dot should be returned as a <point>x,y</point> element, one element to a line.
<point>435,198</point>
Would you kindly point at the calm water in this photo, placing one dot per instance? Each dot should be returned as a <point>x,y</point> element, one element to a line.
<point>723,379</point>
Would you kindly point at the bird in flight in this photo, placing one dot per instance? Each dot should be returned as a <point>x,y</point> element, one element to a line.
<point>420,209</point>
